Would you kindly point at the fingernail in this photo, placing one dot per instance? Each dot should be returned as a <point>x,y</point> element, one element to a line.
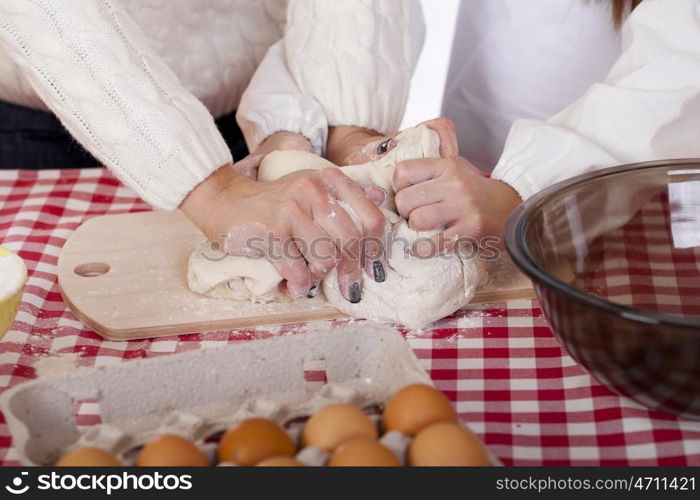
<point>383,147</point>
<point>313,292</point>
<point>378,196</point>
<point>375,193</point>
<point>379,271</point>
<point>354,293</point>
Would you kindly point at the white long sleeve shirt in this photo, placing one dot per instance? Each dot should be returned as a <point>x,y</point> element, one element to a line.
<point>137,82</point>
<point>629,95</point>
<point>512,59</point>
<point>646,108</point>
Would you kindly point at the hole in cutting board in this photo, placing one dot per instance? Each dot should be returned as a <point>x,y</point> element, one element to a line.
<point>91,269</point>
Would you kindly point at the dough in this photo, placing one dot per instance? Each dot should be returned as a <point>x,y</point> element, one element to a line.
<point>216,274</point>
<point>416,291</point>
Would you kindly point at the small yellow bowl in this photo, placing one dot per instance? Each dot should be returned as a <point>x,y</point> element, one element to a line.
<point>12,272</point>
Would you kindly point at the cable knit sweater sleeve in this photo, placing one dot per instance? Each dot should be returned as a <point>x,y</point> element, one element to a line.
<point>91,65</point>
<point>355,57</point>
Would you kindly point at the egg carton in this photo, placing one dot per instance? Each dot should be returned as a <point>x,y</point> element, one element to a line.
<point>200,394</point>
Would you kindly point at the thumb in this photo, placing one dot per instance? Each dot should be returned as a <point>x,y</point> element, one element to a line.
<point>248,166</point>
<point>447,133</point>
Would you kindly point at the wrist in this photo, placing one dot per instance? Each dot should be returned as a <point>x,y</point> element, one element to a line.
<point>283,140</point>
<point>198,204</point>
<point>510,195</point>
<point>345,142</point>
<point>507,200</point>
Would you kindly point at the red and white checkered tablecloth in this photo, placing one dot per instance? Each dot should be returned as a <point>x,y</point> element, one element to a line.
<point>659,236</point>
<point>500,364</point>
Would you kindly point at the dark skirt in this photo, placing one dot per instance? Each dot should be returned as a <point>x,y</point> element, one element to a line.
<point>33,139</point>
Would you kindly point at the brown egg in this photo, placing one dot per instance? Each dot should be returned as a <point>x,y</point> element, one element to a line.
<point>363,452</point>
<point>254,440</point>
<point>280,461</point>
<point>335,424</point>
<point>415,407</point>
<point>170,450</point>
<point>88,457</point>
<point>446,444</point>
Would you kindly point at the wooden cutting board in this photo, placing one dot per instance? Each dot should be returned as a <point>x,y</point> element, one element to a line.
<point>124,276</point>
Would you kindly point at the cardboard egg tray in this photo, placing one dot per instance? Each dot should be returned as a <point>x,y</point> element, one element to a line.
<point>201,394</point>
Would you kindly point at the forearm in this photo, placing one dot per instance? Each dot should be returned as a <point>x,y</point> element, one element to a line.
<point>344,143</point>
<point>198,204</point>
<point>138,121</point>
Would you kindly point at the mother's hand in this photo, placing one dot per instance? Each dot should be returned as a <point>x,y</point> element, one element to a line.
<point>295,222</point>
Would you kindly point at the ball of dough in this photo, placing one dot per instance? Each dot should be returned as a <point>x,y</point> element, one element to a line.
<point>416,291</point>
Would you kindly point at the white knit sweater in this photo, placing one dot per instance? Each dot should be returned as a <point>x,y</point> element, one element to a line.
<point>137,81</point>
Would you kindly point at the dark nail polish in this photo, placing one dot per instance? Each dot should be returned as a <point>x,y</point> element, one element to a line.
<point>313,291</point>
<point>383,147</point>
<point>354,293</point>
<point>379,272</point>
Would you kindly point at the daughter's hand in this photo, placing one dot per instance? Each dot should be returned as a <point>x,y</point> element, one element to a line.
<point>451,195</point>
<point>293,221</point>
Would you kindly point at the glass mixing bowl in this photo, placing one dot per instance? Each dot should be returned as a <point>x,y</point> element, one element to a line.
<point>614,257</point>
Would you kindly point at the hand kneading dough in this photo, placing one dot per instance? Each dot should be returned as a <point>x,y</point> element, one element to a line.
<point>416,291</point>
